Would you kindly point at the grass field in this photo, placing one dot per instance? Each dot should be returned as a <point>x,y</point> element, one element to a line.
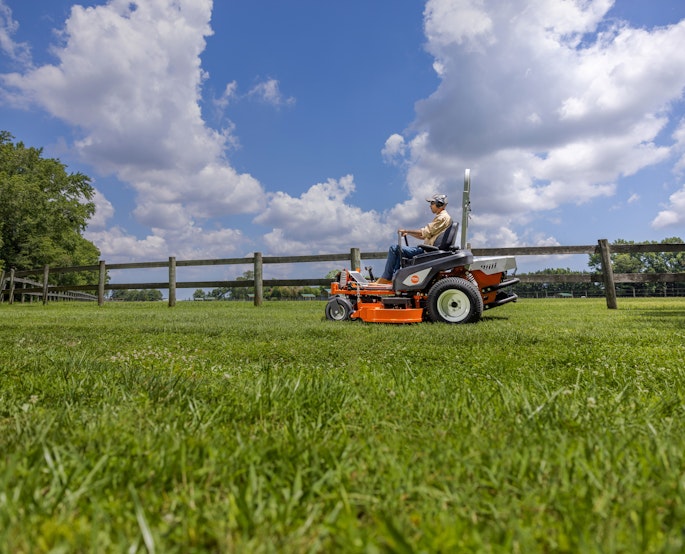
<point>550,426</point>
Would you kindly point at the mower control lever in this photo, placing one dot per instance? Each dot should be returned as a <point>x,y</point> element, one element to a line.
<point>399,240</point>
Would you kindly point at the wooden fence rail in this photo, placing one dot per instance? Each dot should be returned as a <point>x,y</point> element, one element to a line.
<point>33,289</point>
<point>606,276</point>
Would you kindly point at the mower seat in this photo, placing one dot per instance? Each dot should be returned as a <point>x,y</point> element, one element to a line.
<point>444,245</point>
<point>446,240</point>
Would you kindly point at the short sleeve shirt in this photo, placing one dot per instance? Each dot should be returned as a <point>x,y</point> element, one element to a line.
<point>431,231</point>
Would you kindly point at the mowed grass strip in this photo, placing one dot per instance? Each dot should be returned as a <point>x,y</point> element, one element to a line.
<point>550,426</point>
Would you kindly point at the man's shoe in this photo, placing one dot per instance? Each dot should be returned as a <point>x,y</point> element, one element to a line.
<point>382,281</point>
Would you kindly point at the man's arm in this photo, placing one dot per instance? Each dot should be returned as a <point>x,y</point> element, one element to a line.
<point>434,228</point>
<point>418,234</point>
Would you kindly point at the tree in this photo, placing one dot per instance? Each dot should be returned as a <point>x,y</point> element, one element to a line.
<point>644,262</point>
<point>242,293</point>
<point>552,288</point>
<point>199,294</point>
<point>220,293</point>
<point>43,211</point>
<point>142,295</point>
<point>665,262</point>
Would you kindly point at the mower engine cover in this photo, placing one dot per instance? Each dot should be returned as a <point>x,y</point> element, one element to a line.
<point>493,265</point>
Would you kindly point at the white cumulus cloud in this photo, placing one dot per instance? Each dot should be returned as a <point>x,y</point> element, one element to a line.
<point>269,91</point>
<point>548,103</point>
<point>18,51</point>
<point>129,78</point>
<point>674,214</point>
<point>320,220</point>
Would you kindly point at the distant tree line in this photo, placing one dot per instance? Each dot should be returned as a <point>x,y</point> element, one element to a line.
<point>543,290</point>
<point>43,212</point>
<point>142,295</point>
<point>270,293</point>
<point>644,262</point>
<point>634,262</point>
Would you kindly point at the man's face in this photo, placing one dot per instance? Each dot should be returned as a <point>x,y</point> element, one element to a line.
<point>434,207</point>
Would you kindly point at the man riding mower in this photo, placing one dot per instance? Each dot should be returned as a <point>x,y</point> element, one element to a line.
<point>440,282</point>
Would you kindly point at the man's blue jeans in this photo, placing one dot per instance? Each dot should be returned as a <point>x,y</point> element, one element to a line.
<point>392,264</point>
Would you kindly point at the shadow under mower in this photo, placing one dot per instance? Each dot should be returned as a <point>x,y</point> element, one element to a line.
<point>444,284</point>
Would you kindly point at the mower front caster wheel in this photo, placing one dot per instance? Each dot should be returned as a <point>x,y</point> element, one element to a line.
<point>338,309</point>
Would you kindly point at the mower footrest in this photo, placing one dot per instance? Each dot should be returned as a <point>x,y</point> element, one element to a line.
<point>501,299</point>
<point>503,284</point>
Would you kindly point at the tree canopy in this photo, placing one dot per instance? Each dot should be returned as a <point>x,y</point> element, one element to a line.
<point>644,262</point>
<point>43,212</point>
<point>142,295</point>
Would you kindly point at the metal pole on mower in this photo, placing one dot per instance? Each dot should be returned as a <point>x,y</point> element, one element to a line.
<point>465,207</point>
<point>399,246</point>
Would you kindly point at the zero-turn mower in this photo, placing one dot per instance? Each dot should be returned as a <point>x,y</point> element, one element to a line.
<point>443,284</point>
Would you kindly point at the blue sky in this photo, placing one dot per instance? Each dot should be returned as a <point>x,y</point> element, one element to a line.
<point>217,129</point>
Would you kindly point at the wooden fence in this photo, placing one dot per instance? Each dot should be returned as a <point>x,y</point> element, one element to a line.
<point>27,288</point>
<point>606,276</point>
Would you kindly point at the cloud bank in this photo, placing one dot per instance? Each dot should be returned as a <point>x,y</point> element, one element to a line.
<point>549,103</point>
<point>129,79</point>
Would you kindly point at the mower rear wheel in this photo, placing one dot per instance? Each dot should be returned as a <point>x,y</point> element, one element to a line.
<point>454,300</point>
<point>338,309</point>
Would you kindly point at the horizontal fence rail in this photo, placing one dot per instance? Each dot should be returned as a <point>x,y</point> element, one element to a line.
<point>30,288</point>
<point>10,280</point>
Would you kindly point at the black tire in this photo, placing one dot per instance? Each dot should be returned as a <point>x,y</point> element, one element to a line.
<point>338,309</point>
<point>454,300</point>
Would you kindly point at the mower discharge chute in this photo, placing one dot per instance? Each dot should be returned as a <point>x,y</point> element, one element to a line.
<point>443,284</point>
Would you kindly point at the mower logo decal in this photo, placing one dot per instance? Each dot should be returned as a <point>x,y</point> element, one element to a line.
<point>416,278</point>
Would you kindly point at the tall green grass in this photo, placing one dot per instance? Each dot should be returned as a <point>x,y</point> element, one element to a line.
<point>550,426</point>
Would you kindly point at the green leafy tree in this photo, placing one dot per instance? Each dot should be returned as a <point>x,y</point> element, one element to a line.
<point>273,293</point>
<point>332,275</point>
<point>621,263</point>
<point>199,294</point>
<point>665,262</point>
<point>142,295</point>
<point>541,290</point>
<point>43,211</point>
<point>311,290</point>
<point>242,293</point>
<point>289,292</point>
<point>644,262</point>
<point>220,293</point>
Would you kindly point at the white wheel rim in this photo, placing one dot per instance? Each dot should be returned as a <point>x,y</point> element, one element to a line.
<point>453,305</point>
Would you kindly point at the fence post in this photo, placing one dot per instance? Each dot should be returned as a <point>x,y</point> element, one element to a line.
<point>102,277</point>
<point>172,281</point>
<point>258,279</point>
<point>46,274</point>
<point>11,300</point>
<point>2,286</point>
<point>355,259</point>
<point>608,273</point>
